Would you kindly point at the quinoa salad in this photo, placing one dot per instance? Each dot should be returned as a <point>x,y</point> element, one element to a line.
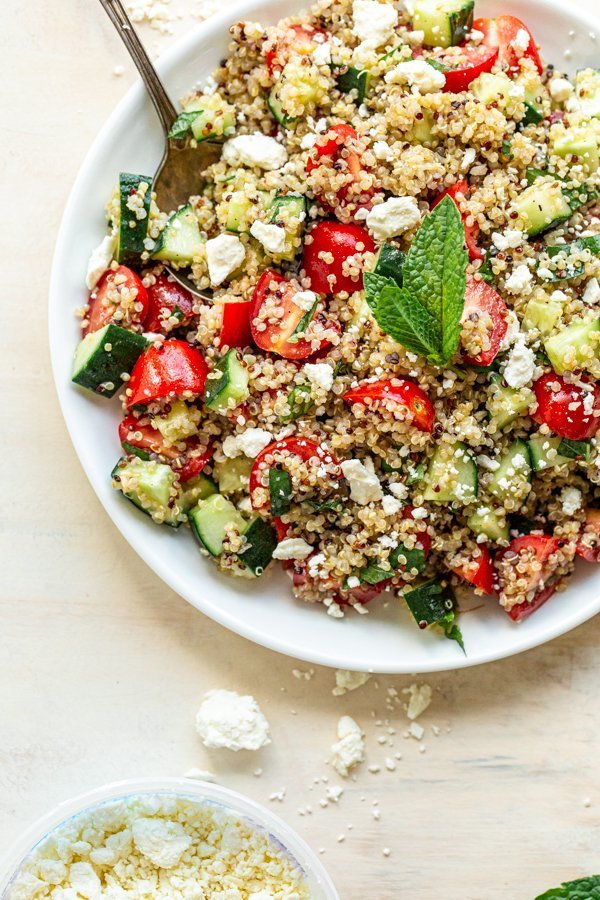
<point>388,378</point>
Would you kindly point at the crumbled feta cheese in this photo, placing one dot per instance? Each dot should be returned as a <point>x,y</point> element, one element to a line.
<point>419,699</point>
<point>399,490</point>
<point>591,294</point>
<point>512,331</point>
<point>99,261</point>
<point>560,89</point>
<point>415,38</point>
<point>418,74</point>
<point>382,150</point>
<point>469,157</point>
<point>486,462</point>
<point>233,722</point>
<point>520,367</point>
<point>321,55</point>
<point>292,548</point>
<point>250,443</point>
<point>419,512</point>
<point>272,237</point>
<point>364,485</point>
<point>519,281</point>
<point>511,238</point>
<point>254,150</point>
<point>346,680</point>
<point>475,36</point>
<point>308,140</point>
<point>84,880</point>
<point>392,217</point>
<point>223,255</point>
<point>161,841</point>
<point>559,297</point>
<point>373,21</point>
<point>304,299</point>
<point>571,500</point>
<point>319,374</point>
<point>520,43</point>
<point>391,505</point>
<point>350,747</point>
<point>201,775</point>
<point>416,731</point>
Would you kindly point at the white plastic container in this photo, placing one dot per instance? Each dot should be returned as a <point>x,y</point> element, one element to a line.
<point>319,882</point>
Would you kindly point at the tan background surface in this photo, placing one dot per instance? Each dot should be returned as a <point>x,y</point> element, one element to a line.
<point>103,667</point>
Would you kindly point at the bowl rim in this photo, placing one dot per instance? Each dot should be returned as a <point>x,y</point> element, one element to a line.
<point>195,789</point>
<point>527,638</point>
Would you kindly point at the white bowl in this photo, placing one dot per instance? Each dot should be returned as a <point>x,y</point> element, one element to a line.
<point>319,882</point>
<point>386,640</point>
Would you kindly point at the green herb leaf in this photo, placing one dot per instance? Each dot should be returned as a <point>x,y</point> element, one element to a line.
<point>181,125</point>
<point>581,889</point>
<point>280,491</point>
<point>424,315</point>
<point>304,322</point>
<point>374,284</point>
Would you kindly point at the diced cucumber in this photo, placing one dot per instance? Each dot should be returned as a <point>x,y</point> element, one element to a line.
<point>535,93</point>
<point>103,356</point>
<point>239,211</point>
<point>541,314</point>
<point>493,88</point>
<point>150,485</point>
<point>421,129</point>
<point>211,519</point>
<point>135,194</point>
<point>308,91</point>
<point>353,79</point>
<point>276,107</point>
<point>289,210</point>
<point>262,540</point>
<point>575,347</point>
<point>233,475</point>
<point>389,263</point>
<point>179,423</point>
<point>490,522</point>
<point>227,384</point>
<point>541,206</point>
<point>587,92</point>
<point>543,452</point>
<point>452,475</point>
<point>280,491</point>
<point>580,142</point>
<point>505,404</point>
<point>444,22</point>
<point>196,489</point>
<point>512,479</point>
<point>180,241</point>
<point>207,117</point>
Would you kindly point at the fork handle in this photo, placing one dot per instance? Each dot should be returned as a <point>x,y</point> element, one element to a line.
<point>164,108</point>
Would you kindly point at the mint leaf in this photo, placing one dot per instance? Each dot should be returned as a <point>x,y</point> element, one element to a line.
<point>581,889</point>
<point>374,284</point>
<point>424,315</point>
<point>181,125</point>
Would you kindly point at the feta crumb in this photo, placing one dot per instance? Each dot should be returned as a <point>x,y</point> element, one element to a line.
<point>319,374</point>
<point>349,750</point>
<point>304,299</point>
<point>84,880</point>
<point>272,237</point>
<point>308,140</point>
<point>512,331</point>
<point>382,150</point>
<point>231,721</point>
<point>416,731</point>
<point>468,159</point>
<point>419,700</point>
<point>223,255</point>
<point>393,216</point>
<point>118,71</point>
<point>161,841</point>
<point>520,366</point>
<point>364,484</point>
<point>591,294</point>
<point>373,21</point>
<point>321,55</point>
<point>520,43</point>
<point>292,548</point>
<point>571,500</point>
<point>254,150</point>
<point>346,680</point>
<point>250,443</point>
<point>201,775</point>
<point>100,260</point>
<point>391,505</point>
<point>519,281</point>
<point>511,238</point>
<point>560,89</point>
<point>419,75</point>
<point>399,490</point>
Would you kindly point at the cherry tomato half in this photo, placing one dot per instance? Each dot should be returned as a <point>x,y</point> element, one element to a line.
<point>503,33</point>
<point>462,65</point>
<point>457,192</point>
<point>480,571</point>
<point>398,395</point>
<point>341,241</point>
<point>165,299</point>
<point>522,550</point>
<point>570,411</point>
<point>144,437</point>
<point>119,290</point>
<point>196,458</point>
<point>308,451</point>
<point>274,293</point>
<point>339,151</point>
<point>588,545</point>
<point>424,536</point>
<point>295,40</point>
<point>235,325</point>
<point>171,368</point>
<point>481,300</point>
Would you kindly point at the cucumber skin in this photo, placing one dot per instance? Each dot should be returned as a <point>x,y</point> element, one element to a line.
<point>105,366</point>
<point>354,79</point>
<point>222,388</point>
<point>131,240</point>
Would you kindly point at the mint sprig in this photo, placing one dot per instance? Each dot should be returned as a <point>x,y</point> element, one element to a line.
<point>424,314</point>
<point>581,889</point>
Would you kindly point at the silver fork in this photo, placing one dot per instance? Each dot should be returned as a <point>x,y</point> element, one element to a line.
<point>180,170</point>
